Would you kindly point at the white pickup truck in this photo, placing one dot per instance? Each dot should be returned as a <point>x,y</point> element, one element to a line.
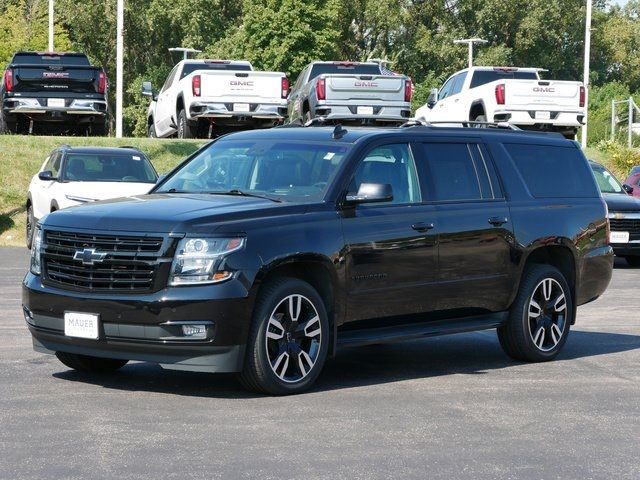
<point>504,94</point>
<point>204,98</point>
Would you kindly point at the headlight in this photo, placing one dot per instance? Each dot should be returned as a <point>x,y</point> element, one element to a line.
<point>197,259</point>
<point>36,248</point>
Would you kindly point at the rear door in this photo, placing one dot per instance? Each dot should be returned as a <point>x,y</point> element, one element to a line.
<point>391,252</point>
<point>474,228</point>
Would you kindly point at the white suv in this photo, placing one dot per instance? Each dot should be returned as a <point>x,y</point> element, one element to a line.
<point>76,175</point>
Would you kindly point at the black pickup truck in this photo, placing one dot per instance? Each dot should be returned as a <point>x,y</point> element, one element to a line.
<point>267,250</point>
<point>47,92</point>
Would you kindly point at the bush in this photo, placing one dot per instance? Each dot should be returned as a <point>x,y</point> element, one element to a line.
<point>622,159</point>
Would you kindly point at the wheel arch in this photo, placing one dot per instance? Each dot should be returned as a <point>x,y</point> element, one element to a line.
<point>319,272</point>
<point>560,256</point>
<point>179,105</point>
<point>54,206</point>
<point>477,108</point>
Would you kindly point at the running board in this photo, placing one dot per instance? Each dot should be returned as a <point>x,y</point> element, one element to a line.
<point>398,333</point>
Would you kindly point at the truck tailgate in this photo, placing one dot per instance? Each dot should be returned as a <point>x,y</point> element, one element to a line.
<point>38,78</point>
<point>376,88</point>
<point>556,94</point>
<point>241,86</point>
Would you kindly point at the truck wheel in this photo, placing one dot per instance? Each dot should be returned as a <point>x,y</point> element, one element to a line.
<point>185,129</point>
<point>7,127</point>
<point>30,226</point>
<point>98,129</point>
<point>307,117</point>
<point>85,363</point>
<point>288,340</point>
<point>540,317</point>
<point>633,261</point>
<point>151,132</point>
<point>480,118</point>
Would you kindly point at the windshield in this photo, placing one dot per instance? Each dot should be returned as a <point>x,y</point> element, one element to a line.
<point>290,171</point>
<point>100,167</point>
<point>606,181</point>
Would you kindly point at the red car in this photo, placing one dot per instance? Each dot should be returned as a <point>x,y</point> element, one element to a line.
<point>633,180</point>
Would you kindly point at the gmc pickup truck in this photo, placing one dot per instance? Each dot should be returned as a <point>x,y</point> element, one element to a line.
<point>53,92</point>
<point>350,92</point>
<point>505,94</point>
<point>206,98</point>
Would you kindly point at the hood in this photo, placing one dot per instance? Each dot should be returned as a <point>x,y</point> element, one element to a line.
<point>166,213</point>
<point>105,190</point>
<point>619,202</point>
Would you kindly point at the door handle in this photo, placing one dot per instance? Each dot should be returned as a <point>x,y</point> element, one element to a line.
<point>422,226</point>
<point>497,221</point>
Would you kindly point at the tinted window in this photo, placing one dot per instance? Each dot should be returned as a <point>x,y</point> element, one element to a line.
<point>109,168</point>
<point>445,91</point>
<point>169,79</point>
<point>393,165</point>
<point>481,77</point>
<point>457,83</point>
<point>553,171</point>
<point>36,59</point>
<point>192,67</point>
<point>453,173</point>
<point>288,170</point>
<point>344,68</point>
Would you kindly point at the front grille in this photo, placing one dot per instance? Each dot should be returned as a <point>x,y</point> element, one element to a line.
<point>631,225</point>
<point>131,263</point>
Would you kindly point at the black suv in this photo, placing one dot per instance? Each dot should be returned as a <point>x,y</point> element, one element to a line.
<point>266,250</point>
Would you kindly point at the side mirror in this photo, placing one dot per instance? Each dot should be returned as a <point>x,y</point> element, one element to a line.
<point>627,188</point>
<point>432,99</point>
<point>372,193</point>
<point>46,176</point>
<point>147,91</point>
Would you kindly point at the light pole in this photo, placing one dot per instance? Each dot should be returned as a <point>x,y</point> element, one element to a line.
<point>470,42</point>
<point>51,25</point>
<point>119,62</point>
<point>587,54</point>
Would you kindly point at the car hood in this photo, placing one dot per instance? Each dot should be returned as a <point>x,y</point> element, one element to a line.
<point>618,202</point>
<point>167,213</point>
<point>105,190</point>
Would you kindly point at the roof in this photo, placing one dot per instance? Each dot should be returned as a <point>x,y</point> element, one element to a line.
<point>354,134</point>
<point>103,150</point>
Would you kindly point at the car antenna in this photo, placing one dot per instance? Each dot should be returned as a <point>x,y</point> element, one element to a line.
<point>339,132</point>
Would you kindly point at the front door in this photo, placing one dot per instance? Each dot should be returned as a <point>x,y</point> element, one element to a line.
<point>391,252</point>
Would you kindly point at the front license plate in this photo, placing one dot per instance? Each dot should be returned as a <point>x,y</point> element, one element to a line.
<point>365,110</point>
<point>82,325</point>
<point>543,115</point>
<point>240,107</point>
<point>55,102</point>
<point>619,237</point>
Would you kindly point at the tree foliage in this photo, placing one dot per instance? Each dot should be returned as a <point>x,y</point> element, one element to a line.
<point>416,36</point>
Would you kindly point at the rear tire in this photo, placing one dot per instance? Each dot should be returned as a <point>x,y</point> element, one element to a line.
<point>288,340</point>
<point>185,128</point>
<point>86,363</point>
<point>540,317</point>
<point>98,129</point>
<point>633,261</point>
<point>307,117</point>
<point>480,118</point>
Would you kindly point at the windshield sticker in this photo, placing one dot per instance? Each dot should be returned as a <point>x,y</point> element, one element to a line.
<point>135,157</point>
<point>329,155</point>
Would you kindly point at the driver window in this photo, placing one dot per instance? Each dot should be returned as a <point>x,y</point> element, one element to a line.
<point>169,80</point>
<point>446,89</point>
<point>393,165</point>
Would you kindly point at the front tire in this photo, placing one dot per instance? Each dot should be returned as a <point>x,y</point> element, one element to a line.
<point>540,317</point>
<point>151,132</point>
<point>88,364</point>
<point>185,128</point>
<point>288,340</point>
<point>633,261</point>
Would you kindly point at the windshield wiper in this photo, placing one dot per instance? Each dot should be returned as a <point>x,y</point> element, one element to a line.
<point>240,193</point>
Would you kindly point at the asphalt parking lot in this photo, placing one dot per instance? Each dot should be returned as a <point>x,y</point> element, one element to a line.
<point>448,407</point>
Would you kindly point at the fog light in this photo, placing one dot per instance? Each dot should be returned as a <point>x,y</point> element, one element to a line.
<point>194,331</point>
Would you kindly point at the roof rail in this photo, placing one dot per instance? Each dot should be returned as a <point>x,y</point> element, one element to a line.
<point>463,123</point>
<point>129,146</point>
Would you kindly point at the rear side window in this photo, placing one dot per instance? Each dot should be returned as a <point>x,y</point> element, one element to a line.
<point>551,171</point>
<point>457,171</point>
<point>481,77</point>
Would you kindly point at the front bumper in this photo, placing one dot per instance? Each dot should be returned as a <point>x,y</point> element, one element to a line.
<point>146,327</point>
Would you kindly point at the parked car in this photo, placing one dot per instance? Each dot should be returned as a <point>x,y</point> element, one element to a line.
<point>633,180</point>
<point>50,92</point>
<point>624,215</point>
<point>350,92</point>
<point>75,175</point>
<point>204,98</point>
<point>266,250</point>
<point>507,94</point>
